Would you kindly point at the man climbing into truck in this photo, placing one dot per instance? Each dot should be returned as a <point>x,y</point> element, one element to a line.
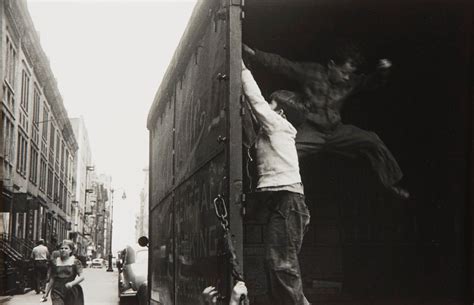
<point>323,91</point>
<point>280,184</point>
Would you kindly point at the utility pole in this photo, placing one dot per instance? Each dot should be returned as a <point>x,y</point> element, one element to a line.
<point>111,215</point>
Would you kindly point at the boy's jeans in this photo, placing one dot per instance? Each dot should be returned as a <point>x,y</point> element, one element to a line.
<point>287,223</point>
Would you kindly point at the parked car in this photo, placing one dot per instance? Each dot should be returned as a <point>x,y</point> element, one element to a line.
<point>97,263</point>
<point>133,271</point>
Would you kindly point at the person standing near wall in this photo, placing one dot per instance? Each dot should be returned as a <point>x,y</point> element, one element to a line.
<point>40,256</point>
<point>279,182</point>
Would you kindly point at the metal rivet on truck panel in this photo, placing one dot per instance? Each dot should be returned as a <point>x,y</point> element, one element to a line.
<point>221,76</point>
<point>221,139</point>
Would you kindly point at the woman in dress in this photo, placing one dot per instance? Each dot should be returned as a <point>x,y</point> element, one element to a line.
<point>65,276</point>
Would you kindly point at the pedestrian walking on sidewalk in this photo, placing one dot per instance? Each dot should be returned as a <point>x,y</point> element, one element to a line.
<point>65,274</point>
<point>40,255</point>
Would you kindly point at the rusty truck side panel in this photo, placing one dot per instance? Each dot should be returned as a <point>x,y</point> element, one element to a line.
<point>161,272</point>
<point>190,155</point>
<point>362,246</point>
<point>201,164</point>
<point>161,143</point>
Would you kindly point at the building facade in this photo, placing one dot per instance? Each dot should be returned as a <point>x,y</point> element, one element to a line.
<point>38,145</point>
<point>107,214</point>
<point>101,214</point>
<point>84,175</point>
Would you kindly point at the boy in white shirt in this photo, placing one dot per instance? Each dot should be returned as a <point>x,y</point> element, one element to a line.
<point>279,177</point>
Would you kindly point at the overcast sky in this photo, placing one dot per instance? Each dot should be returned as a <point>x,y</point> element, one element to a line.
<point>109,58</point>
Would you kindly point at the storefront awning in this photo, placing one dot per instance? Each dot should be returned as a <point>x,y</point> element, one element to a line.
<point>22,203</point>
<point>5,202</point>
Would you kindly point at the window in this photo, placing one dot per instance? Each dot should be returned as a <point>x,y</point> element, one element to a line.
<point>8,97</point>
<point>62,156</point>
<point>8,152</point>
<point>22,152</point>
<point>66,162</point>
<point>10,62</point>
<point>43,173</point>
<point>58,145</point>
<point>51,144</point>
<point>8,138</point>
<point>49,191</point>
<point>51,137</point>
<point>44,131</point>
<point>65,202</point>
<point>55,189</point>
<point>25,90</point>
<point>57,153</point>
<point>34,166</point>
<point>60,196</point>
<point>10,73</point>
<point>36,114</point>
<point>36,107</point>
<point>68,204</point>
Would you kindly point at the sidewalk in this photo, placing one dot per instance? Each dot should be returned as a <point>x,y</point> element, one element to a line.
<point>4,299</point>
<point>100,288</point>
<point>23,299</point>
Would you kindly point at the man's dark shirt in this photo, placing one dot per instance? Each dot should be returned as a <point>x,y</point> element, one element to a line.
<point>322,99</point>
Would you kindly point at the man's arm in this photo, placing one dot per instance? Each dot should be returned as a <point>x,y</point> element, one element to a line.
<point>265,115</point>
<point>294,70</point>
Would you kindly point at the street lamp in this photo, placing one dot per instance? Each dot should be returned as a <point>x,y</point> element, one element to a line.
<point>124,196</point>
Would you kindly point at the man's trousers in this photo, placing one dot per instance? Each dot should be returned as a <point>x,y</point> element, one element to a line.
<point>350,141</point>
<point>41,271</point>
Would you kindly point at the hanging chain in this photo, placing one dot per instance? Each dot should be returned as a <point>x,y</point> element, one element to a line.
<point>221,212</point>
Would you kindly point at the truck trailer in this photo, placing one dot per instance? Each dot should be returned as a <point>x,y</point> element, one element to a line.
<point>363,246</point>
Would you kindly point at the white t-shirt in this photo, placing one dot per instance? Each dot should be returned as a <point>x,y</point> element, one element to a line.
<point>40,252</point>
<point>277,159</point>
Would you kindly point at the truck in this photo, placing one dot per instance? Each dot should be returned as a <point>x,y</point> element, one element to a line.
<point>363,246</point>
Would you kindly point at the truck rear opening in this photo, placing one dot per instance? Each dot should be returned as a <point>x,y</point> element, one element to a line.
<point>364,246</point>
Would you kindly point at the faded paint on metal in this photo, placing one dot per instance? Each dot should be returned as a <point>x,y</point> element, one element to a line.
<point>198,233</point>
<point>200,103</point>
<point>161,270</point>
<point>189,165</point>
<point>162,154</point>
